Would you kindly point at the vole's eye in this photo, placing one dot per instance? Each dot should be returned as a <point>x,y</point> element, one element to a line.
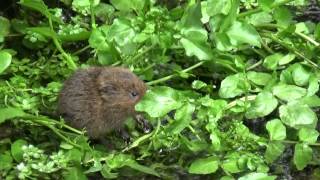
<point>134,94</point>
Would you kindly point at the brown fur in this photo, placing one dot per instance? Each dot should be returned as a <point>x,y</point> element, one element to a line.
<point>99,99</point>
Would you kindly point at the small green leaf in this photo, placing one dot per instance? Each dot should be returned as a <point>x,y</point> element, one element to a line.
<point>300,75</point>
<point>192,16</point>
<point>257,176</point>
<point>289,92</point>
<point>124,5</point>
<point>274,150</point>
<point>313,87</point>
<point>216,7</point>
<point>5,28</point>
<point>233,86</point>
<point>198,84</point>
<point>141,168</point>
<point>283,16</point>
<point>182,118</point>
<point>263,105</point>
<point>287,59</point>
<point>260,18</point>
<point>243,33</point>
<point>298,116</point>
<point>16,149</point>
<point>5,161</point>
<point>194,41</point>
<point>311,101</point>
<point>45,31</point>
<point>302,155</point>
<point>159,101</point>
<point>204,166</point>
<point>75,174</point>
<point>265,4</point>
<point>276,130</point>
<point>123,34</point>
<point>308,135</point>
<point>39,6</point>
<point>259,78</point>
<point>231,165</point>
<point>9,113</point>
<point>5,60</point>
<point>271,62</point>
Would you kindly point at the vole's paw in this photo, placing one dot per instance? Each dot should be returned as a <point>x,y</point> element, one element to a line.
<point>143,123</point>
<point>125,136</point>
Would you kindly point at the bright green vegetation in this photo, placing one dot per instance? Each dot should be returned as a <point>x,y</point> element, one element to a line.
<point>233,88</point>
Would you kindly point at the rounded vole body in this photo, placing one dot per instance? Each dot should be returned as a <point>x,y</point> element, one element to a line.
<point>100,99</point>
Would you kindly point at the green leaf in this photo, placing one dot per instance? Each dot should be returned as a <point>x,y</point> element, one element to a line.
<point>6,161</point>
<point>259,78</point>
<point>311,101</point>
<point>45,31</point>
<point>141,168</point>
<point>233,86</point>
<point>197,84</point>
<point>298,116</point>
<point>40,6</point>
<point>5,60</point>
<point>16,149</point>
<point>231,165</point>
<point>283,16</point>
<point>194,41</point>
<point>98,39</point>
<point>300,75</point>
<point>243,33</point>
<point>308,135</point>
<point>204,166</point>
<point>265,4</point>
<point>276,130</point>
<point>123,34</point>
<point>9,113</point>
<point>124,5</point>
<point>302,155</point>
<point>192,16</point>
<point>313,87</point>
<point>106,172</point>
<point>271,61</point>
<point>287,59</point>
<point>75,174</point>
<point>5,28</point>
<point>159,101</point>
<point>260,18</point>
<point>182,118</point>
<point>288,92</point>
<point>257,176</point>
<point>274,150</point>
<point>215,7</point>
<point>263,105</point>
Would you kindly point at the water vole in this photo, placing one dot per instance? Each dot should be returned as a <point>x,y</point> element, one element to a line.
<point>99,99</point>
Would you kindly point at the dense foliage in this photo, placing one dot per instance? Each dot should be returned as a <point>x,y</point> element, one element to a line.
<point>233,88</point>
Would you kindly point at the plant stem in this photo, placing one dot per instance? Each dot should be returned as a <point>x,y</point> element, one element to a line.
<point>303,36</point>
<point>142,53</point>
<point>254,11</point>
<point>93,19</point>
<point>81,50</point>
<point>294,50</point>
<point>173,75</point>
<point>246,98</point>
<point>254,65</point>
<point>296,142</point>
<point>66,56</point>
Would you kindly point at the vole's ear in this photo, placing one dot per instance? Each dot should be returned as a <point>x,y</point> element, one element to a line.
<point>108,89</point>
